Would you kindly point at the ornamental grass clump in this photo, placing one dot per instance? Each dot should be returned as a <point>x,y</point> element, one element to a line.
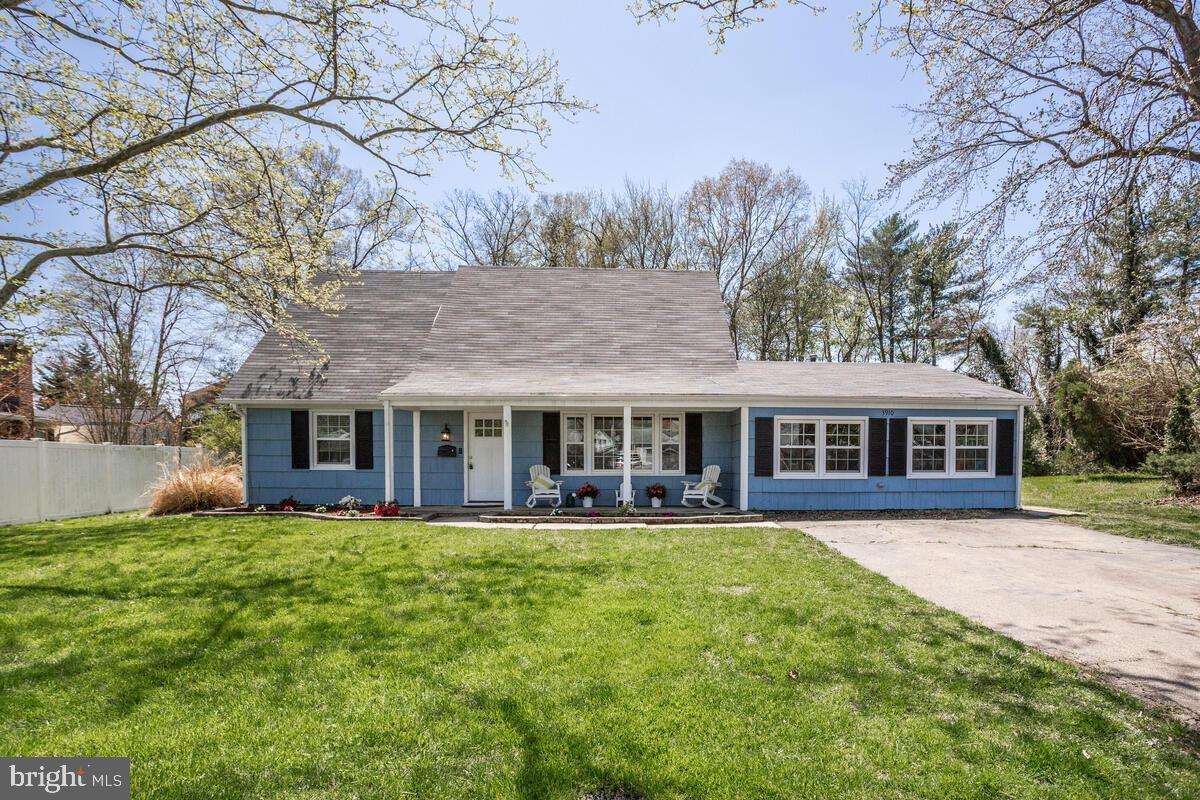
<point>203,485</point>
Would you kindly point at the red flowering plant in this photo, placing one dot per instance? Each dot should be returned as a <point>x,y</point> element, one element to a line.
<point>288,503</point>
<point>387,509</point>
<point>656,490</point>
<point>588,490</point>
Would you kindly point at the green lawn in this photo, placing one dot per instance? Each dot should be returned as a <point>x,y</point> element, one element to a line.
<point>1118,503</point>
<point>266,657</point>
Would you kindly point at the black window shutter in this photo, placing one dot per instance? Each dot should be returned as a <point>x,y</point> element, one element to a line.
<point>876,447</point>
<point>898,447</point>
<point>364,440</point>
<point>693,431</point>
<point>552,442</point>
<point>300,439</point>
<point>1005,446</point>
<point>764,447</point>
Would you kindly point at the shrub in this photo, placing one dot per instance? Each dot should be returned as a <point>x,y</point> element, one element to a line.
<point>1181,469</point>
<point>203,485</point>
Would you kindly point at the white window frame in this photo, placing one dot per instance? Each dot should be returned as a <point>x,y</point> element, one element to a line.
<point>589,442</point>
<point>952,424</point>
<point>821,473</point>
<point>312,435</point>
<point>658,443</point>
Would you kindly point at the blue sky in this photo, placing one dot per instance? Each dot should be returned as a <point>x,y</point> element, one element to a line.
<point>791,92</point>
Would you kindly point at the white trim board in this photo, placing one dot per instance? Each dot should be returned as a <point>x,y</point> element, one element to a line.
<point>688,402</point>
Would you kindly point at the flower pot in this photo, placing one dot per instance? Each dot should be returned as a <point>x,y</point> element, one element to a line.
<point>587,502</point>
<point>656,502</point>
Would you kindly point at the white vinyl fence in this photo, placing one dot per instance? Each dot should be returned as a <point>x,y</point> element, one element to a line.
<point>53,480</point>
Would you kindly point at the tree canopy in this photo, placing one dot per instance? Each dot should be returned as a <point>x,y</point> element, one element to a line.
<point>185,129</point>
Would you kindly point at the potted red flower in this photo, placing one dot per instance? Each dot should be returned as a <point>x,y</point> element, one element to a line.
<point>657,493</point>
<point>588,492</point>
<point>387,509</point>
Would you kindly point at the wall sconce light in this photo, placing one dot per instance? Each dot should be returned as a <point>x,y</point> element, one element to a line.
<point>445,433</point>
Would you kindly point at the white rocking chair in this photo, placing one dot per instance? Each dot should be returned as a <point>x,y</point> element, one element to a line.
<point>704,490</point>
<point>541,487</point>
<point>621,498</point>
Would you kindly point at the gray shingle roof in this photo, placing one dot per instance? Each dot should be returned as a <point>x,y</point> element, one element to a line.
<point>65,414</point>
<point>538,328</point>
<point>855,381</point>
<point>367,346</point>
<point>486,332</point>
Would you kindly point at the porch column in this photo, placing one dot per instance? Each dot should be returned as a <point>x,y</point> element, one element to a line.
<point>627,455</point>
<point>389,464</point>
<point>1020,459</point>
<point>507,431</point>
<point>416,425</point>
<point>744,461</point>
<point>241,410</point>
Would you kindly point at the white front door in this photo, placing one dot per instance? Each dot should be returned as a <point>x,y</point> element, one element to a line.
<point>485,458</point>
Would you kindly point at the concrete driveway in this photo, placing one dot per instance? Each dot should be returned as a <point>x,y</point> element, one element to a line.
<point>1126,608</point>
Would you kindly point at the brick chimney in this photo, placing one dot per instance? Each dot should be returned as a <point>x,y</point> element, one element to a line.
<point>16,390</point>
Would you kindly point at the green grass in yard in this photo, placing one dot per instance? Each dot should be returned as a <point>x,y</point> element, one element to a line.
<point>265,657</point>
<point>1118,503</point>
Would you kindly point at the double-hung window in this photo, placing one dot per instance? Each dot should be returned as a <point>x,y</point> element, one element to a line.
<point>333,439</point>
<point>574,442</point>
<point>670,443</point>
<point>820,448</point>
<point>641,444</point>
<point>594,443</point>
<point>608,442</point>
<point>950,448</point>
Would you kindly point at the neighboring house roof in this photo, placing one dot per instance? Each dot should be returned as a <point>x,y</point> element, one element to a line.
<point>203,396</point>
<point>371,343</point>
<point>62,414</point>
<point>485,332</point>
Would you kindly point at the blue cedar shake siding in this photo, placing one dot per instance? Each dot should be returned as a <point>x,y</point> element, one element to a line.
<point>883,492</point>
<point>269,451</point>
<point>441,477</point>
<point>272,477</point>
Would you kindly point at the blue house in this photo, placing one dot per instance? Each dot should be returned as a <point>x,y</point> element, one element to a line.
<point>444,388</point>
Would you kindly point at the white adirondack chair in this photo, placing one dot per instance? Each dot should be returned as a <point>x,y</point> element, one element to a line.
<point>621,498</point>
<point>704,490</point>
<point>541,487</point>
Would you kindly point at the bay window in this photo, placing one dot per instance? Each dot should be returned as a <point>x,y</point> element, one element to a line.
<point>820,448</point>
<point>594,443</point>
<point>950,448</point>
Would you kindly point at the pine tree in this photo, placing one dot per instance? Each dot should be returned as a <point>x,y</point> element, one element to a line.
<point>1181,424</point>
<point>83,362</point>
<point>54,383</point>
<point>880,271</point>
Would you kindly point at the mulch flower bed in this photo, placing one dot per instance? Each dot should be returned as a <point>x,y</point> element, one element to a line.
<point>319,511</point>
<point>1183,500</point>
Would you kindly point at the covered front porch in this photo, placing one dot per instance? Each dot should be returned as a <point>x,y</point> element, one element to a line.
<point>481,453</point>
